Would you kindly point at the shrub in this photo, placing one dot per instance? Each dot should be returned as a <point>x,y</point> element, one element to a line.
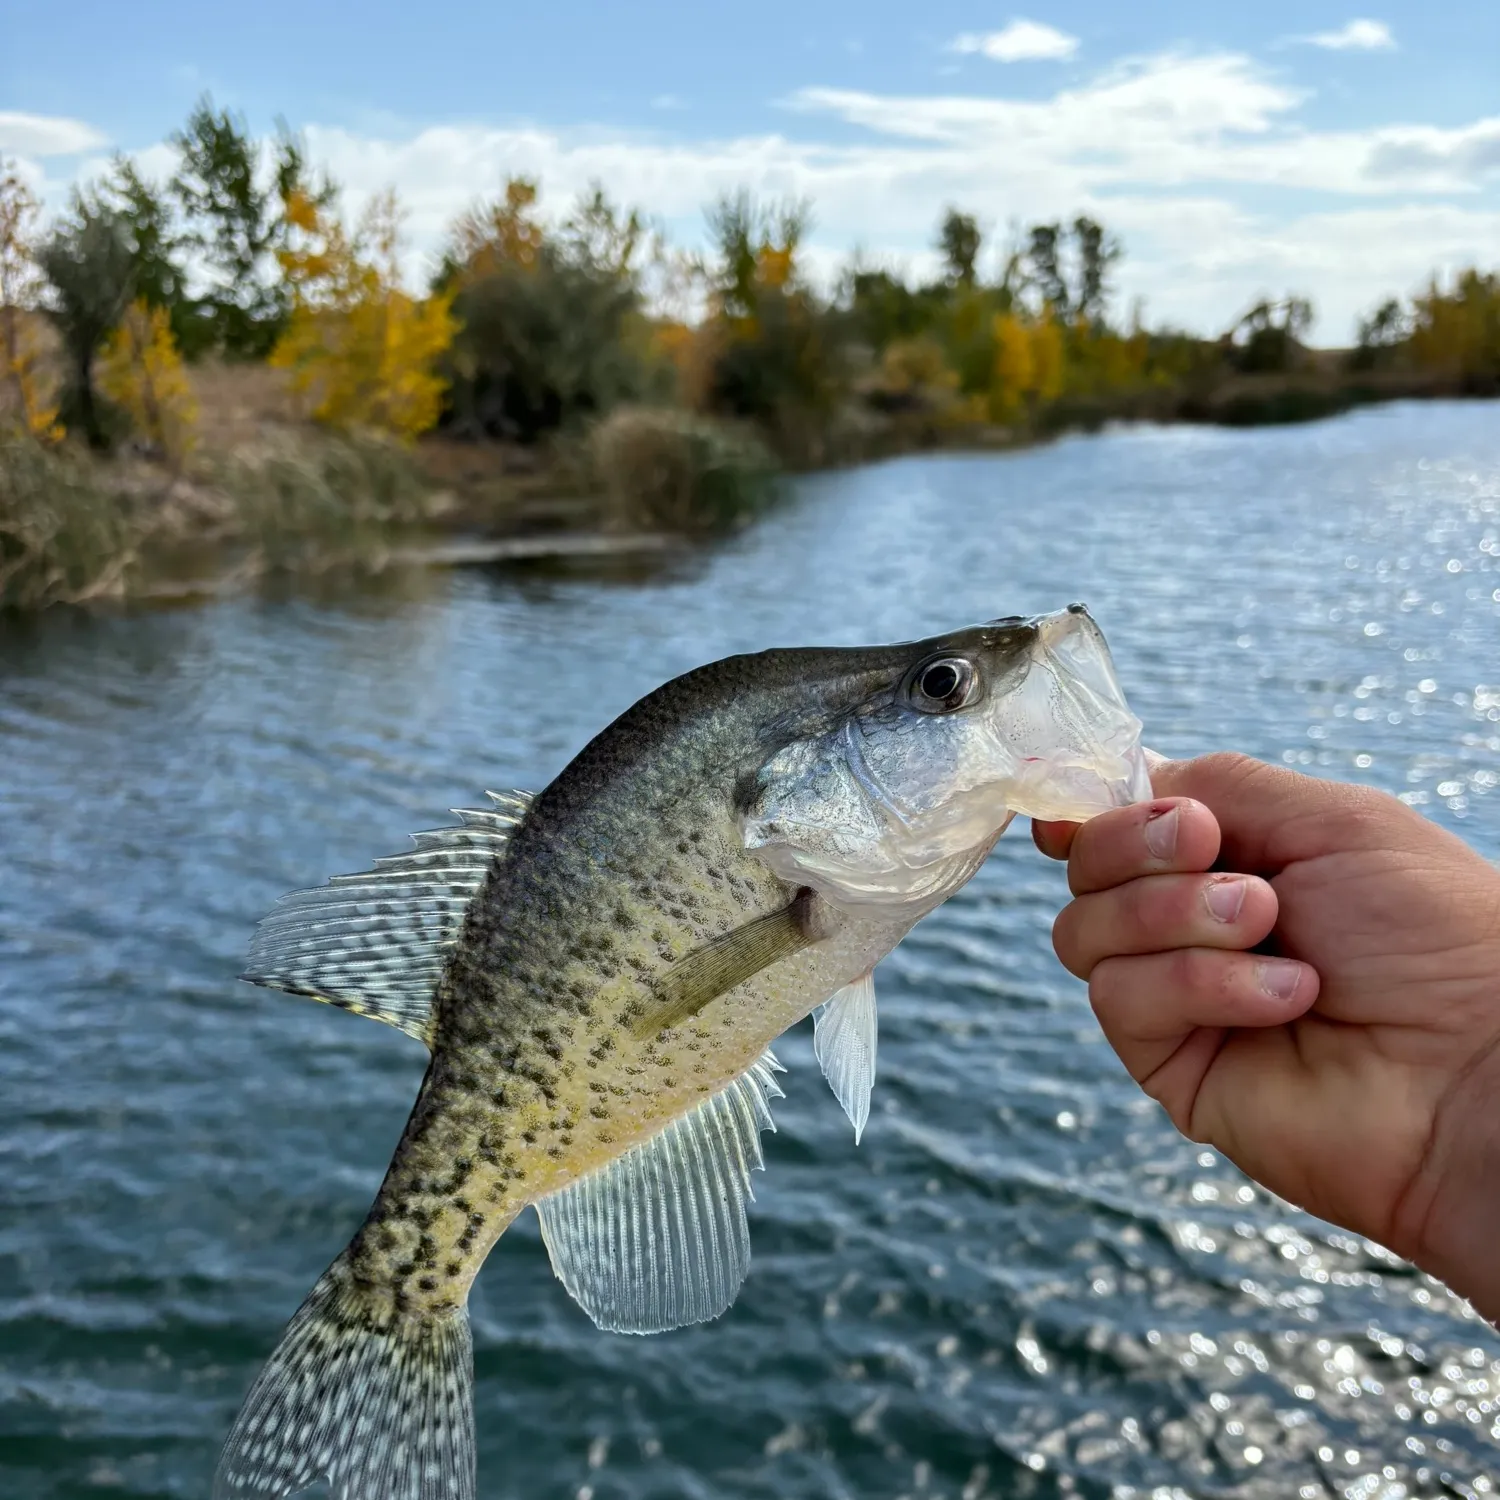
<point>64,536</point>
<point>671,471</point>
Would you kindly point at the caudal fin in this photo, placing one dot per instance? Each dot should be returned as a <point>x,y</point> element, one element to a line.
<point>381,1408</point>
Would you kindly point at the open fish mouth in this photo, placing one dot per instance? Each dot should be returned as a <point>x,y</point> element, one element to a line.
<point>1076,742</point>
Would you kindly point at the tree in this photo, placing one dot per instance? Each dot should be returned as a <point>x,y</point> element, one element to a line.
<point>959,239</point>
<point>159,280</point>
<point>597,237</point>
<point>141,371</point>
<point>1043,261</point>
<point>361,347</point>
<point>1269,336</point>
<point>20,283</point>
<point>88,261</point>
<point>504,231</point>
<point>1096,252</point>
<point>233,221</point>
<point>756,248</point>
<point>1015,368</point>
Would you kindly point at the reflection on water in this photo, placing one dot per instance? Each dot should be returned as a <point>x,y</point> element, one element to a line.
<point>1022,1283</point>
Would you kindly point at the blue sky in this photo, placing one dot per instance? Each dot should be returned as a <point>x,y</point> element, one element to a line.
<point>1237,150</point>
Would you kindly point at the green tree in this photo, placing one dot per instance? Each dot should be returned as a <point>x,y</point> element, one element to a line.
<point>160,280</point>
<point>598,237</point>
<point>1043,267</point>
<point>1096,253</point>
<point>1269,337</point>
<point>89,262</point>
<point>755,249</point>
<point>234,220</point>
<point>959,240</point>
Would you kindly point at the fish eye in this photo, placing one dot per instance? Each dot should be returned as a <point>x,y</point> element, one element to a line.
<point>943,685</point>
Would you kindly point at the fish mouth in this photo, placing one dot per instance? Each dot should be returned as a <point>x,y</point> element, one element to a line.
<point>1076,743</point>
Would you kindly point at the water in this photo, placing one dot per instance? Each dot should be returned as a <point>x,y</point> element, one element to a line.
<point>1023,1283</point>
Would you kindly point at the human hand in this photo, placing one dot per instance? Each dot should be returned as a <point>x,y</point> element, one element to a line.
<point>1351,1063</point>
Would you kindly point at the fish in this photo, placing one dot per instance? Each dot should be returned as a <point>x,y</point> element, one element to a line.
<point>599,972</point>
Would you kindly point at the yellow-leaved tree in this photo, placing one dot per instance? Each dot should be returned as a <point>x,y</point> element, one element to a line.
<point>505,232</point>
<point>357,345</point>
<point>1048,358</point>
<point>1015,368</point>
<point>28,387</point>
<point>141,371</point>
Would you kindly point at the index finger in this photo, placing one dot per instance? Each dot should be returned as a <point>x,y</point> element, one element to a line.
<point>1147,838</point>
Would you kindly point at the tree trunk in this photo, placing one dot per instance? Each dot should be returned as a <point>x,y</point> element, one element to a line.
<point>88,412</point>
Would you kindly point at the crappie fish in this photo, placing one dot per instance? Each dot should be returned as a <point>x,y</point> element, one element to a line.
<point>599,972</point>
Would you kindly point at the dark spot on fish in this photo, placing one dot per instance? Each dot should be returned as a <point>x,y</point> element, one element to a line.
<point>453,1268</point>
<point>599,1112</point>
<point>428,1284</point>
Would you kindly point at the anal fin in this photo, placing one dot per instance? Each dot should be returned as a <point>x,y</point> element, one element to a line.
<point>659,1237</point>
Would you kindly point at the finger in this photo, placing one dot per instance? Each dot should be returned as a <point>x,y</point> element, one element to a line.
<point>1147,838</point>
<point>1053,839</point>
<point>1165,1013</point>
<point>1158,913</point>
<point>1271,817</point>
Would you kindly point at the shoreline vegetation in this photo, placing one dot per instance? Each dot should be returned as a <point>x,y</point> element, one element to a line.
<point>219,378</point>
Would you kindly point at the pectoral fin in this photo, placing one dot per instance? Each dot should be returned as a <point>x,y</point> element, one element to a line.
<point>717,967</point>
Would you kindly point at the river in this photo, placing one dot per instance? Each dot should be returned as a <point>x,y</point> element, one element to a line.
<point>1022,1283</point>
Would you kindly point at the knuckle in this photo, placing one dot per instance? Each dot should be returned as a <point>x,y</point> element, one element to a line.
<point>1196,971</point>
<point>1108,984</point>
<point>1065,939</point>
<point>1230,768</point>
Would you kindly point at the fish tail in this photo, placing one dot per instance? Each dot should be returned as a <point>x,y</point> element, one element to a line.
<point>377,1402</point>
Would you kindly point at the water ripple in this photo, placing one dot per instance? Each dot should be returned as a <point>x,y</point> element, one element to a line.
<point>1023,1283</point>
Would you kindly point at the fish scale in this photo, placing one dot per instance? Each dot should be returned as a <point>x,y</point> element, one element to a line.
<point>599,973</point>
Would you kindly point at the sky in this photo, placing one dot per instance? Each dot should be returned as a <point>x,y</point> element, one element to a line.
<point>1237,151</point>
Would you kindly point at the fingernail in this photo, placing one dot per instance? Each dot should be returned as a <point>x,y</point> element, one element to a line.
<point>1279,977</point>
<point>1161,833</point>
<point>1224,898</point>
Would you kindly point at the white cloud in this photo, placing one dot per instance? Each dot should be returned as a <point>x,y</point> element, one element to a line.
<point>1161,149</point>
<point>1020,41</point>
<point>1355,36</point>
<point>47,135</point>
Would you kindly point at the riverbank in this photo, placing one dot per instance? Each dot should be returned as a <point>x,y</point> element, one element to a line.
<point>267,494</point>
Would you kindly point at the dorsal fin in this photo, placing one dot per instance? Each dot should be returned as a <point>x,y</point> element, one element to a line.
<point>375,943</point>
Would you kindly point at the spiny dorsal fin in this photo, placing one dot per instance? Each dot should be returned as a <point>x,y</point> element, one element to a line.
<point>658,1237</point>
<point>844,1032</point>
<point>375,943</point>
